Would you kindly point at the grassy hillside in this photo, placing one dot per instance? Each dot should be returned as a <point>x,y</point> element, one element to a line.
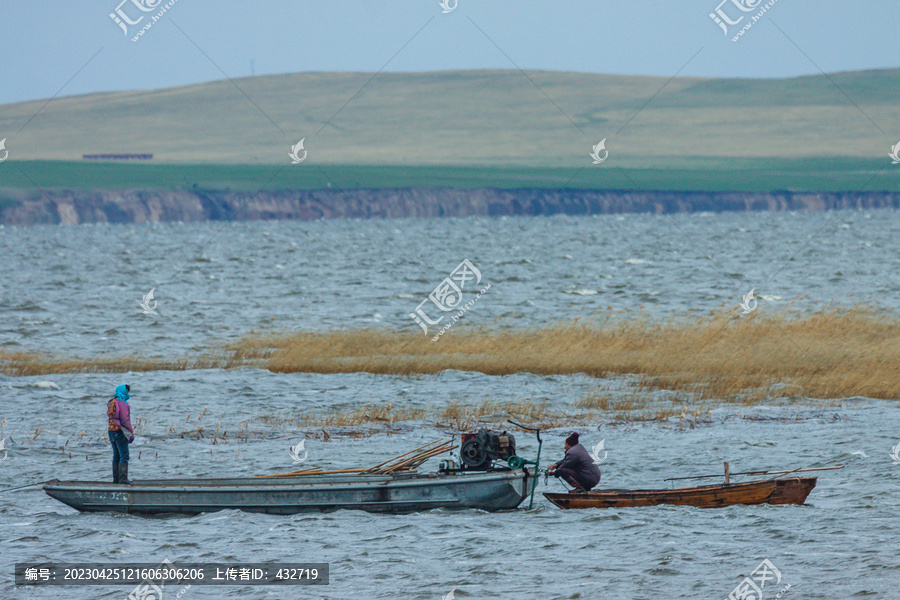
<point>471,128</point>
<point>704,174</point>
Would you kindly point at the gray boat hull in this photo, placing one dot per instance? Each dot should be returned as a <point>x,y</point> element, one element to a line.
<point>500,490</point>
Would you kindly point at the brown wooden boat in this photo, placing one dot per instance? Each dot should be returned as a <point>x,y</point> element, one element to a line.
<point>792,490</point>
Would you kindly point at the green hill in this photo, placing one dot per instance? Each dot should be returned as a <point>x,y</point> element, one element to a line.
<point>471,128</point>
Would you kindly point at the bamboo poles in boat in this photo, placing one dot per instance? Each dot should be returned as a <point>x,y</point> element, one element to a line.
<point>417,459</point>
<point>312,471</point>
<point>407,461</point>
<point>420,448</point>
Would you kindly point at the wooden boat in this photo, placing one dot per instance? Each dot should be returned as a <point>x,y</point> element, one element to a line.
<point>793,490</point>
<point>386,493</point>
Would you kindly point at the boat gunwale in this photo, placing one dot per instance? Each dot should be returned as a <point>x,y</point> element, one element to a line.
<point>297,483</point>
<point>699,489</point>
<point>206,508</point>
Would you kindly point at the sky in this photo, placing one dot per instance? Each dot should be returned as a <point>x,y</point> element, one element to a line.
<point>65,48</point>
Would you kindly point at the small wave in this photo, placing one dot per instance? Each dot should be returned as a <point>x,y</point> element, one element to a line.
<point>28,306</point>
<point>43,385</point>
<point>637,261</point>
<point>581,292</point>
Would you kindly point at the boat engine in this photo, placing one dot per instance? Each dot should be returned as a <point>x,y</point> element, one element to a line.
<point>478,450</point>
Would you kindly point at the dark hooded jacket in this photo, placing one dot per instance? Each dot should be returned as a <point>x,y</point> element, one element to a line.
<point>578,460</point>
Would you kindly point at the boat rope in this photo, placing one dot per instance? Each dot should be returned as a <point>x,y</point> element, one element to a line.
<point>22,487</point>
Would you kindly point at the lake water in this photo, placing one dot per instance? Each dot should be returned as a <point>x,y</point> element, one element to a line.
<point>76,291</point>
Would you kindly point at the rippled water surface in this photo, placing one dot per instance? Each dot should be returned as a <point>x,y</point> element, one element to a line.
<point>75,291</point>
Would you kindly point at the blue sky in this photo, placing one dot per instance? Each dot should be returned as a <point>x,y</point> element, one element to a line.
<point>48,44</point>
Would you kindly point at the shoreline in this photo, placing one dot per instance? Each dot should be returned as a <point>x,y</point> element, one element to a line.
<point>70,207</point>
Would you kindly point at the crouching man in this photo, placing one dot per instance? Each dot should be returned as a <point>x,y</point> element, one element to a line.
<point>577,467</point>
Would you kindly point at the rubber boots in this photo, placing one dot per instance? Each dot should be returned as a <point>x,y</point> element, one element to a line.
<point>123,473</point>
<point>115,472</point>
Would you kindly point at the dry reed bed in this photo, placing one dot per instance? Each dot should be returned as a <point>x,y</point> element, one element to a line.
<point>727,356</point>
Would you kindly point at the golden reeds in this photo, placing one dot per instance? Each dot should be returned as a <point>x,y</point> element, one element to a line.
<point>751,358</point>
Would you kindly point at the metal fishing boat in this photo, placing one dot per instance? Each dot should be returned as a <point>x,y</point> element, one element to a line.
<point>491,477</point>
<point>390,493</point>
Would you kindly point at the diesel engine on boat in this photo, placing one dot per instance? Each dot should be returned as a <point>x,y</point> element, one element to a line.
<point>478,450</point>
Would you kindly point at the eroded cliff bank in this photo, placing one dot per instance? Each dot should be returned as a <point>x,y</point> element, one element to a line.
<point>147,206</point>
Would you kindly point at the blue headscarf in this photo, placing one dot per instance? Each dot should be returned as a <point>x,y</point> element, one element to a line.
<point>121,394</point>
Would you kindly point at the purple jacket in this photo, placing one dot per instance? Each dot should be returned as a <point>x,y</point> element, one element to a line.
<point>119,415</point>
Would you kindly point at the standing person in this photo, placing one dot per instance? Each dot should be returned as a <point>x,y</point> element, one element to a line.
<point>119,415</point>
<point>577,467</point>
